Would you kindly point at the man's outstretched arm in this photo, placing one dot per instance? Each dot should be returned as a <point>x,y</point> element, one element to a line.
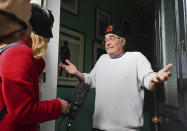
<point>71,69</point>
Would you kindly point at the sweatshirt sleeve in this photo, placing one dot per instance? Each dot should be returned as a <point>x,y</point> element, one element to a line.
<point>145,72</point>
<point>19,91</point>
<point>90,78</point>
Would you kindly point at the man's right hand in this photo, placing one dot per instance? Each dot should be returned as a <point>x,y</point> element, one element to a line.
<point>69,68</point>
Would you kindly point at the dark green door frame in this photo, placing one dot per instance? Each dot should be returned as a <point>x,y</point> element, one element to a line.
<point>173,117</point>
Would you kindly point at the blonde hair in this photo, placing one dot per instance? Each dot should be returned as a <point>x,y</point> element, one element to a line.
<point>39,45</point>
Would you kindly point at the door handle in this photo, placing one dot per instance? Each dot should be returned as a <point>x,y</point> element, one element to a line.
<point>160,119</point>
<point>181,45</point>
<point>157,119</point>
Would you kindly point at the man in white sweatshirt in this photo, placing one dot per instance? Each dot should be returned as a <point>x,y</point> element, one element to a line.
<point>118,77</point>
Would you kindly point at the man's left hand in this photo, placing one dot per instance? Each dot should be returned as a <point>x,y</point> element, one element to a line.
<point>161,76</point>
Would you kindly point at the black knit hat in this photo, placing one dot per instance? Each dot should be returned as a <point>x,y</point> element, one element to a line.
<point>115,29</point>
<point>41,21</point>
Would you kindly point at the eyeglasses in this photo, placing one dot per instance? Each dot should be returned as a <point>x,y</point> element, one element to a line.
<point>111,39</point>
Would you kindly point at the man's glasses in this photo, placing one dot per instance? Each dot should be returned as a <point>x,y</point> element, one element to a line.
<point>111,39</point>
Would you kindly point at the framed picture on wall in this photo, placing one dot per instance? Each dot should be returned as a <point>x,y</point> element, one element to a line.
<point>98,50</point>
<point>71,47</point>
<point>102,21</point>
<point>71,6</point>
<point>126,23</point>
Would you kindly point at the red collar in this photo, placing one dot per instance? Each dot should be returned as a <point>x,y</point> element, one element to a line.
<point>26,41</point>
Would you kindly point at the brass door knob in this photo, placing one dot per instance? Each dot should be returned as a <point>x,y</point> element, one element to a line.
<point>157,119</point>
<point>182,47</point>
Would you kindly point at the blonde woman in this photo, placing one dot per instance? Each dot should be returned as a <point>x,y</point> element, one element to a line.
<point>21,64</point>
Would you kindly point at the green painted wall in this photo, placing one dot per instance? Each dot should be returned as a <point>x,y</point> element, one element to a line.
<point>85,22</point>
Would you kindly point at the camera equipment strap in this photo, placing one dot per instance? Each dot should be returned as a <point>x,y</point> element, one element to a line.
<point>4,110</point>
<point>3,49</point>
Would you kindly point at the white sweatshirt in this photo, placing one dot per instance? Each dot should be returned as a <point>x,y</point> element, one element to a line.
<point>119,95</point>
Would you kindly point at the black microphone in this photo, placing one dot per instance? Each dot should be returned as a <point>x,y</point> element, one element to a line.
<point>79,96</point>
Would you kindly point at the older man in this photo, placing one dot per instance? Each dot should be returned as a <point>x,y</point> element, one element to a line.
<point>118,77</point>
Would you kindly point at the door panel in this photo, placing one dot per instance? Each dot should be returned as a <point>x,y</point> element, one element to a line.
<point>171,98</point>
<point>172,126</point>
<point>168,52</point>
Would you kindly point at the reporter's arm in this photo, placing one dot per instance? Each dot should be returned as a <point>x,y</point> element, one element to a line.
<point>20,89</point>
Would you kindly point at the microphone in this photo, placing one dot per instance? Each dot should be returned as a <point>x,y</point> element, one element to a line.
<point>79,96</point>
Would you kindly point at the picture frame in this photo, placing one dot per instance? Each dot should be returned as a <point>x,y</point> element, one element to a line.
<point>71,47</point>
<point>98,50</point>
<point>126,23</point>
<point>71,6</point>
<point>102,21</point>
